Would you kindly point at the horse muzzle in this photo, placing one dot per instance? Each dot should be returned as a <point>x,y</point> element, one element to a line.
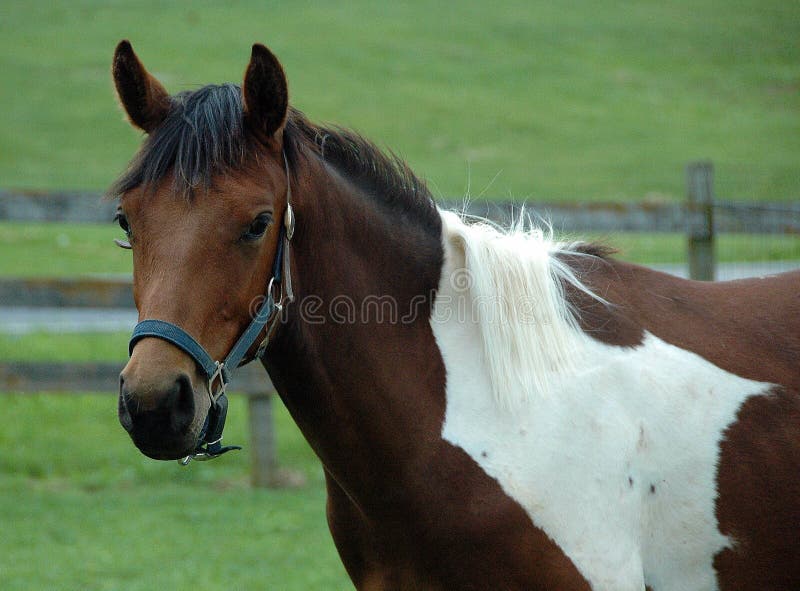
<point>162,422</point>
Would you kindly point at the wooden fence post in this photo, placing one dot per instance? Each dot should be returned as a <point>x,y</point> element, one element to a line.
<point>263,471</point>
<point>700,193</point>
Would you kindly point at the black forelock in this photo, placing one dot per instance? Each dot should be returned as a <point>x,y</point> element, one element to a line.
<point>202,136</point>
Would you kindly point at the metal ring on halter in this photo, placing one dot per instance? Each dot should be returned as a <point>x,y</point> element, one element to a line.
<point>270,285</point>
<point>278,305</point>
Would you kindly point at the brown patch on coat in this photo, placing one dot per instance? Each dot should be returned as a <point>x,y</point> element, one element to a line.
<point>759,495</point>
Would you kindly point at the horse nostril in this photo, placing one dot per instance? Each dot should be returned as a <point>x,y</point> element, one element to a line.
<point>180,404</point>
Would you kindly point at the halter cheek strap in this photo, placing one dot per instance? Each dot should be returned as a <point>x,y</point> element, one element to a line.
<point>218,373</point>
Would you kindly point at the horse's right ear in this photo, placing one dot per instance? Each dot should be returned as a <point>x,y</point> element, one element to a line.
<point>144,99</point>
<point>266,95</point>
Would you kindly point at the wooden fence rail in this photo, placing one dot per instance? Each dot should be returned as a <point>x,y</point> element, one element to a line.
<point>584,216</point>
<point>66,292</point>
<point>56,206</point>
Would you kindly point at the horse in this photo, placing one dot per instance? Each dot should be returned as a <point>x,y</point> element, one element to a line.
<point>493,409</point>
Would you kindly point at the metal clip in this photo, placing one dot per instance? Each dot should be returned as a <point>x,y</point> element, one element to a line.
<point>288,221</point>
<point>203,456</point>
<point>211,451</point>
<point>218,375</point>
<point>200,456</point>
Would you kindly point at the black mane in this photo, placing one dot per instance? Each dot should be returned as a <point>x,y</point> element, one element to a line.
<point>384,176</point>
<point>204,136</point>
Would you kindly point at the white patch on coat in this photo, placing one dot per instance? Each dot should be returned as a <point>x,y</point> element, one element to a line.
<point>615,461</point>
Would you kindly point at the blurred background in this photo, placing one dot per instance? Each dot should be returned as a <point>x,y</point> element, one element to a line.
<point>581,103</point>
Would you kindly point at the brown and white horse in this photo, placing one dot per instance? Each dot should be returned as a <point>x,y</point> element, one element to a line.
<point>492,409</point>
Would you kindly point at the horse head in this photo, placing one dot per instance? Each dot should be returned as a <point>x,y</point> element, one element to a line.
<point>201,205</point>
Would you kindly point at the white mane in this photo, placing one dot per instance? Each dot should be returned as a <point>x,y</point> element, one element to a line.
<point>515,283</point>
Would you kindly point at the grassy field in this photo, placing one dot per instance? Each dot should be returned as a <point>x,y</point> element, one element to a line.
<point>586,100</point>
<point>81,510</point>
<point>590,100</point>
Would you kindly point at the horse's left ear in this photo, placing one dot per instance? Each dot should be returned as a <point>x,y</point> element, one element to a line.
<point>266,95</point>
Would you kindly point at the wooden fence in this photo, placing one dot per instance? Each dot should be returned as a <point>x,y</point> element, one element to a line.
<point>700,218</point>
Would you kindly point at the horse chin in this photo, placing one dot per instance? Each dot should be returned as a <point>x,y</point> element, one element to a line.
<point>166,454</point>
<point>173,449</point>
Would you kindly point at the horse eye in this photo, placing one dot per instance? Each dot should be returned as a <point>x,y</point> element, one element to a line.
<point>123,223</point>
<point>258,227</point>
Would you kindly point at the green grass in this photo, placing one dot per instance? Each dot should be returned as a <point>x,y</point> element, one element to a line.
<point>195,538</point>
<point>61,250</point>
<point>82,510</point>
<point>104,346</point>
<point>592,100</point>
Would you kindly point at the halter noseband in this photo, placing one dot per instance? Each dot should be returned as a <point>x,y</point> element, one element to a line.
<point>218,373</point>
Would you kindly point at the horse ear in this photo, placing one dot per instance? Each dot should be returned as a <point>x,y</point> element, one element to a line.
<point>266,96</point>
<point>144,99</point>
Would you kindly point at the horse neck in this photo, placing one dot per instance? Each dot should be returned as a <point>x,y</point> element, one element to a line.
<point>356,362</point>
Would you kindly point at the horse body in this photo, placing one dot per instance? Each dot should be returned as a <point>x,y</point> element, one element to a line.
<point>622,429</point>
<point>615,467</point>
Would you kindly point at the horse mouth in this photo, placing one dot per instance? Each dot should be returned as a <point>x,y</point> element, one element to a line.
<point>166,446</point>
